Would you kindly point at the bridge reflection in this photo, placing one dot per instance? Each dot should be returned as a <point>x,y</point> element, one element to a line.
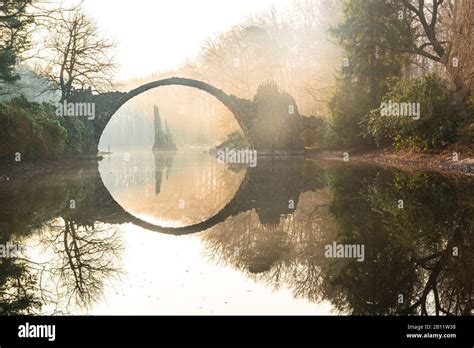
<point>419,260</point>
<point>272,189</point>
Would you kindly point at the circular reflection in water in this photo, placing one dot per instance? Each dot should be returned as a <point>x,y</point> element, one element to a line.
<point>169,189</point>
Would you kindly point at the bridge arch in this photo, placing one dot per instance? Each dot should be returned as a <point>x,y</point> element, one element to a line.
<point>241,108</point>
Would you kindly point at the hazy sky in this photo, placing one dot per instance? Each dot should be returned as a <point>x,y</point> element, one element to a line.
<point>157,35</point>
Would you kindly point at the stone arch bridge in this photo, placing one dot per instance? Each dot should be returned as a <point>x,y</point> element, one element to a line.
<point>270,122</point>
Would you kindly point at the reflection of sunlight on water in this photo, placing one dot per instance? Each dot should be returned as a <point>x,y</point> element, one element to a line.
<point>172,190</point>
<point>169,275</point>
<point>253,262</point>
<point>174,275</point>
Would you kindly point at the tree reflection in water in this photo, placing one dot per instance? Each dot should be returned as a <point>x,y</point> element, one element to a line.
<point>85,255</point>
<point>76,252</point>
<point>418,260</point>
<point>410,265</point>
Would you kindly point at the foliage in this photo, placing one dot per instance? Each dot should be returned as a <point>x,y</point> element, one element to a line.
<point>466,132</point>
<point>13,37</point>
<point>7,66</point>
<point>34,130</point>
<point>373,35</point>
<point>31,129</point>
<point>235,140</point>
<point>17,288</point>
<point>348,106</point>
<point>436,213</point>
<point>313,133</point>
<point>78,135</point>
<point>366,70</point>
<point>438,123</point>
<point>278,122</point>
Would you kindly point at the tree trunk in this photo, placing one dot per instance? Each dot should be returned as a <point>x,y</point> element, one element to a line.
<point>460,61</point>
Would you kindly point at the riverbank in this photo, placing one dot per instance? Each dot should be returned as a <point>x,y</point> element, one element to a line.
<point>9,170</point>
<point>443,162</point>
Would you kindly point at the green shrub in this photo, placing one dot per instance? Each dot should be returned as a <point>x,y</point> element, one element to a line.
<point>348,106</point>
<point>466,135</point>
<point>235,140</point>
<point>314,131</point>
<point>31,129</point>
<point>77,135</point>
<point>438,123</point>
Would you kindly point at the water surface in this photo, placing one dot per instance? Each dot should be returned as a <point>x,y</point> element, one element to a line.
<point>148,233</point>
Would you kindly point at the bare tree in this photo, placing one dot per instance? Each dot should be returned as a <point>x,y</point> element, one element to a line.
<point>444,32</point>
<point>77,56</point>
<point>441,31</point>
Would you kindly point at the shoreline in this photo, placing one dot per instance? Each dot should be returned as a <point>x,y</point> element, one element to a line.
<point>11,170</point>
<point>442,163</point>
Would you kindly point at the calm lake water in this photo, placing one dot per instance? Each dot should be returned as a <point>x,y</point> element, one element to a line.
<point>145,233</point>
